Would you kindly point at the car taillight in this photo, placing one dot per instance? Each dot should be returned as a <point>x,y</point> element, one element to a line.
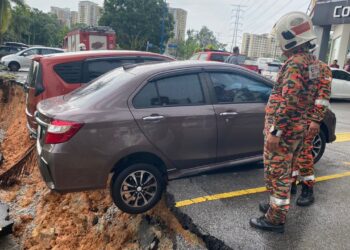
<point>61,131</point>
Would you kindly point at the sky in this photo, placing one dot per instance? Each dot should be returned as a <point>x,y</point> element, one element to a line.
<point>258,16</point>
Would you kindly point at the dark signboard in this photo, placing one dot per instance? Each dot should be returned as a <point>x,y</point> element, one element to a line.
<point>328,12</point>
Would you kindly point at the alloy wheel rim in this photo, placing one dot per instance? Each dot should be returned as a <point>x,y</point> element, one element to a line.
<point>317,146</point>
<point>138,188</point>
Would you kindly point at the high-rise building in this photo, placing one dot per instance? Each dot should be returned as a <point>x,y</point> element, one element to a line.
<point>264,45</point>
<point>63,15</point>
<point>180,19</point>
<point>89,13</point>
<point>74,18</point>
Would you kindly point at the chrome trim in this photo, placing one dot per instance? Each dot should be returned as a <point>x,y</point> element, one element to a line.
<point>44,160</point>
<point>28,114</point>
<point>41,122</point>
<point>228,113</point>
<point>153,118</point>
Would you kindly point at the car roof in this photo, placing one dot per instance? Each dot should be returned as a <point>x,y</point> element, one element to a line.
<point>152,69</point>
<point>96,53</point>
<point>216,52</point>
<point>43,47</point>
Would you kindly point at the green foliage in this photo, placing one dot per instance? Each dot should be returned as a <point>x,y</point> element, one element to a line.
<point>5,13</point>
<point>136,22</point>
<point>35,27</point>
<point>197,41</point>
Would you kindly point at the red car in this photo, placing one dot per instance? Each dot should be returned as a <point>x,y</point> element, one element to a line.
<point>220,56</point>
<point>59,74</point>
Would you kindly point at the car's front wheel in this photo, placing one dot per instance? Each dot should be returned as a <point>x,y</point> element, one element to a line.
<point>14,66</point>
<point>137,188</point>
<point>319,146</point>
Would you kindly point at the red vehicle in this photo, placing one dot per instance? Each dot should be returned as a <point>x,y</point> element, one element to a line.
<point>59,74</point>
<point>94,38</point>
<point>220,56</point>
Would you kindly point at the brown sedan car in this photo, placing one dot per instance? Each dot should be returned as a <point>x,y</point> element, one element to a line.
<point>150,123</point>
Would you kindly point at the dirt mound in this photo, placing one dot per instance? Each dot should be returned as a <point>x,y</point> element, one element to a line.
<point>85,220</point>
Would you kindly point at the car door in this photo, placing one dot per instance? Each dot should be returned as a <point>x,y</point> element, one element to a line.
<point>26,57</point>
<point>339,84</point>
<point>174,114</point>
<point>346,84</point>
<point>239,104</point>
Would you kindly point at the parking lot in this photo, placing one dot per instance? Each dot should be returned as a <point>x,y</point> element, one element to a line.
<point>221,203</point>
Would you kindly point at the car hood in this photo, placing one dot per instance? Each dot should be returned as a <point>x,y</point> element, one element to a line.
<point>8,57</point>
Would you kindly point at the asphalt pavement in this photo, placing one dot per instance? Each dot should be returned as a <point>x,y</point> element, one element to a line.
<point>221,203</point>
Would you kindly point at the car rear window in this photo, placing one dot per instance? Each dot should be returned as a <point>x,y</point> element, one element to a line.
<point>70,72</point>
<point>203,57</point>
<point>218,57</point>
<point>35,78</point>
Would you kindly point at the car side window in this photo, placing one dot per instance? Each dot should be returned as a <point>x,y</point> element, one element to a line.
<point>49,51</point>
<point>181,90</point>
<point>70,72</point>
<point>218,57</point>
<point>234,88</point>
<point>30,52</point>
<point>99,67</point>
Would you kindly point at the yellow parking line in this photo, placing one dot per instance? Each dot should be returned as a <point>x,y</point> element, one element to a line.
<point>246,192</point>
<point>342,137</point>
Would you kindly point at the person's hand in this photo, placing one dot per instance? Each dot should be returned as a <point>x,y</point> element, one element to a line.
<point>272,142</point>
<point>314,128</point>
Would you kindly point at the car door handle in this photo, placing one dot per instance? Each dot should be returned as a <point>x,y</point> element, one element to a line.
<point>153,118</point>
<point>228,113</point>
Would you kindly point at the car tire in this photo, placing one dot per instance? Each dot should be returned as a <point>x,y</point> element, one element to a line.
<point>319,146</point>
<point>14,66</point>
<point>128,188</point>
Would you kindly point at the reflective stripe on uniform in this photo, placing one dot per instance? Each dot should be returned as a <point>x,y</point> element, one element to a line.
<point>279,202</point>
<point>322,102</point>
<point>295,173</point>
<point>308,178</point>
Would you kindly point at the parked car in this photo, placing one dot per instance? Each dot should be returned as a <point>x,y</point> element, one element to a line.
<point>8,50</point>
<point>23,59</point>
<point>16,44</point>
<point>59,74</point>
<point>147,124</point>
<point>340,84</point>
<point>220,56</point>
<point>271,71</point>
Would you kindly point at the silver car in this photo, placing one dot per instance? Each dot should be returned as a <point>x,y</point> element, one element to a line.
<point>23,58</point>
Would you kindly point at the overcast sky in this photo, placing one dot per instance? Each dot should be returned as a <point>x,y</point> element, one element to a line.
<point>258,17</point>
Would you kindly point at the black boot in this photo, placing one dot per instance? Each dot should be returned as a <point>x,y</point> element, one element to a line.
<point>294,188</point>
<point>263,224</point>
<point>264,207</point>
<point>307,196</point>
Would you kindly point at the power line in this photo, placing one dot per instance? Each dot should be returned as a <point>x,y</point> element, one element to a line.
<point>236,11</point>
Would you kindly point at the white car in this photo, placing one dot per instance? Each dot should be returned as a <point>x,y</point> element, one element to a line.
<point>340,84</point>
<point>23,58</point>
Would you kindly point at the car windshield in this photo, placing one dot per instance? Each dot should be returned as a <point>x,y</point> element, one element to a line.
<point>100,86</point>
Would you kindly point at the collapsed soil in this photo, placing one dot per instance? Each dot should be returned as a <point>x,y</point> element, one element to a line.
<point>84,220</point>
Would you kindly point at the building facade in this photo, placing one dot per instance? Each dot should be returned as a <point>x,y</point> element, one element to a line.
<point>180,19</point>
<point>89,13</point>
<point>74,18</point>
<point>63,15</point>
<point>332,25</point>
<point>264,45</point>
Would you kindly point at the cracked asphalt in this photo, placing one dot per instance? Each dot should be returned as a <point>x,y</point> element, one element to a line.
<point>324,225</point>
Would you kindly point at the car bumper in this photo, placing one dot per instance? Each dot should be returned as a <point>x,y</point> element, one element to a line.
<point>65,170</point>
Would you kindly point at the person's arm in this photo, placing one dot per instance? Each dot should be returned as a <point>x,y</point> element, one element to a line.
<point>323,95</point>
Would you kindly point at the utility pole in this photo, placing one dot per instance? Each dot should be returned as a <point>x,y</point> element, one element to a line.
<point>236,16</point>
<point>162,35</point>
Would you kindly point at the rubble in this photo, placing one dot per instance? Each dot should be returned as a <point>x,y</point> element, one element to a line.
<point>84,220</point>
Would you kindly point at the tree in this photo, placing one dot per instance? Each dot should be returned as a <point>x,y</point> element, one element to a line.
<point>138,22</point>
<point>5,14</point>
<point>197,41</point>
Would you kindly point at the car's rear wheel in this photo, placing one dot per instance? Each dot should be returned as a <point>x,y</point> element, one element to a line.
<point>14,66</point>
<point>137,188</point>
<point>319,146</point>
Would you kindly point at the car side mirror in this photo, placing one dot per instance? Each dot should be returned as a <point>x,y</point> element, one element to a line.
<point>25,54</point>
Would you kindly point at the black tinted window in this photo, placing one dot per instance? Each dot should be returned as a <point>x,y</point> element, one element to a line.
<point>147,97</point>
<point>70,72</point>
<point>173,91</point>
<point>49,51</point>
<point>218,57</point>
<point>30,52</point>
<point>341,75</point>
<point>180,90</point>
<point>99,67</point>
<point>232,88</point>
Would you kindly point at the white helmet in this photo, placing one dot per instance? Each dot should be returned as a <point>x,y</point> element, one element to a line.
<point>82,46</point>
<point>293,29</point>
